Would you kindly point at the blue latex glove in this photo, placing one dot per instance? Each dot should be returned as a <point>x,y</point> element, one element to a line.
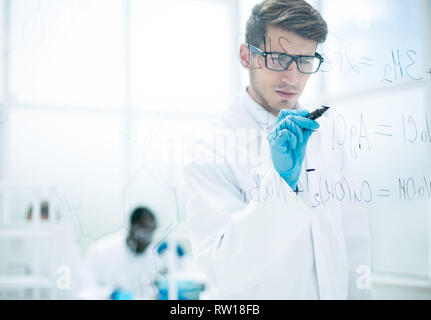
<point>288,140</point>
<point>119,294</point>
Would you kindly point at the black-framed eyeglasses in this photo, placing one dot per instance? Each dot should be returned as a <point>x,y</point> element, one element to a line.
<point>278,61</point>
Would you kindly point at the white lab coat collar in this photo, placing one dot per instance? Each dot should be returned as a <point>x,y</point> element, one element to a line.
<point>263,117</point>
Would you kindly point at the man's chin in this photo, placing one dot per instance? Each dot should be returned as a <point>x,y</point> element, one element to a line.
<point>285,105</point>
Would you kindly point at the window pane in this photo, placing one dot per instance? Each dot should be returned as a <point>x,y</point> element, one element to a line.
<point>193,44</point>
<point>68,52</point>
<point>80,154</point>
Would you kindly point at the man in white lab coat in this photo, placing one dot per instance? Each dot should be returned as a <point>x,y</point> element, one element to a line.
<point>264,218</point>
<point>122,265</point>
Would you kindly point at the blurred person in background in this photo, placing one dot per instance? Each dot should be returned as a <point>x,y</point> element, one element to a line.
<point>124,266</point>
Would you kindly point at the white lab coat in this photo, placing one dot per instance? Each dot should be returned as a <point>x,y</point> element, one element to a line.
<point>111,265</point>
<point>269,242</point>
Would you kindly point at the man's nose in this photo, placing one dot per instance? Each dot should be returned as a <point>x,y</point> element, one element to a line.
<point>290,76</point>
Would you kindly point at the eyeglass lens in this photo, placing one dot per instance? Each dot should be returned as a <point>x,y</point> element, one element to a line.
<point>282,62</point>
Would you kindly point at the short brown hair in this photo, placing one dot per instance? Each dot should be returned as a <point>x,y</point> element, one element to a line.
<point>293,15</point>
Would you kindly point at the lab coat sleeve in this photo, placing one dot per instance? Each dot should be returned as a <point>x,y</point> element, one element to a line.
<point>234,242</point>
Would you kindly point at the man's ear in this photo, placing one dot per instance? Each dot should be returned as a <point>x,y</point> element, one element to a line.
<point>244,55</point>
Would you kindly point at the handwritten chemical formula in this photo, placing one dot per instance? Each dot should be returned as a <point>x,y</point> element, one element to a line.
<point>398,64</point>
<point>347,190</point>
<point>358,136</point>
<point>342,189</point>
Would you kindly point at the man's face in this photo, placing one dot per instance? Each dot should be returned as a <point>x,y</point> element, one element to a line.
<point>141,234</point>
<point>276,90</point>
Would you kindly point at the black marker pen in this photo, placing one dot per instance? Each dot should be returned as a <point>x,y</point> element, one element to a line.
<point>317,113</point>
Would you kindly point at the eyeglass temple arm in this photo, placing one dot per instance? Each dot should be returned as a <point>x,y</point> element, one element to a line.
<point>255,50</point>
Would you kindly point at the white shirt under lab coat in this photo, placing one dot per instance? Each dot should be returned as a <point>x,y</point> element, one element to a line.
<point>255,238</point>
<point>112,265</point>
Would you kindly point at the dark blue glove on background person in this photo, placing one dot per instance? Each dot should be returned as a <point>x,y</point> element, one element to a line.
<point>288,140</point>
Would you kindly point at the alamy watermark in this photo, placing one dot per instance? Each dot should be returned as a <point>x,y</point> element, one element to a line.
<point>363,281</point>
<point>64,277</point>
<point>215,147</point>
